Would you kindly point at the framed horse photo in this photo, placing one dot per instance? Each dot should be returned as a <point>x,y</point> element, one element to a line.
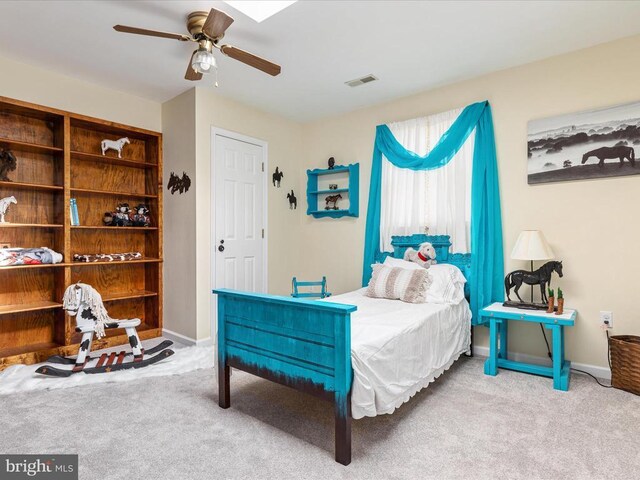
<point>586,145</point>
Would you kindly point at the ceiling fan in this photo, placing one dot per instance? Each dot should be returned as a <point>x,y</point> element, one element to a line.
<point>207,30</point>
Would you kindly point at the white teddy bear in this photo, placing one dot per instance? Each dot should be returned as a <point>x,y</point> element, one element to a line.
<point>424,256</point>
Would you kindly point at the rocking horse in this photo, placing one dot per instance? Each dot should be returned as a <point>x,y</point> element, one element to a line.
<point>85,304</point>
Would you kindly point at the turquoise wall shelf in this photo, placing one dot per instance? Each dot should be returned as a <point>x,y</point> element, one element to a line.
<point>347,178</point>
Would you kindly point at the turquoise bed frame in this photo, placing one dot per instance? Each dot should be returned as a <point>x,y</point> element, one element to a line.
<point>304,344</point>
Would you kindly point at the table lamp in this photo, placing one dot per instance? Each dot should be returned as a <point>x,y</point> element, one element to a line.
<point>531,245</point>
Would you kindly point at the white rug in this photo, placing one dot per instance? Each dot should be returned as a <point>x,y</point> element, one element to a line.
<point>21,378</point>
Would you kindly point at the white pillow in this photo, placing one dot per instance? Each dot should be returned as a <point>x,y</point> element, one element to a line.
<point>447,284</point>
<point>400,263</point>
<point>399,283</point>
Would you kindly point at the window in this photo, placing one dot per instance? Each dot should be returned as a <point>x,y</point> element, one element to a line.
<point>440,199</point>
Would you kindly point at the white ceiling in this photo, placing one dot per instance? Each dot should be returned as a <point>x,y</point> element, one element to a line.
<point>409,45</point>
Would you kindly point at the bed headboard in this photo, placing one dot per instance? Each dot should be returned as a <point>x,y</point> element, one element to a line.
<point>441,243</point>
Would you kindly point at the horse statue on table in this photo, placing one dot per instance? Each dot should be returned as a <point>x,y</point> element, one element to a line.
<point>541,276</point>
<point>84,303</point>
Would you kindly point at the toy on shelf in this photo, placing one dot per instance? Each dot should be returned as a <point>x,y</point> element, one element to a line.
<point>119,218</point>
<point>84,303</point>
<point>8,163</point>
<point>116,145</point>
<point>4,206</point>
<point>332,199</point>
<point>140,216</point>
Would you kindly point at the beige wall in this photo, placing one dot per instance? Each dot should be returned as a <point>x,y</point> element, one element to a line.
<point>179,127</point>
<point>32,84</point>
<point>591,225</point>
<point>285,150</point>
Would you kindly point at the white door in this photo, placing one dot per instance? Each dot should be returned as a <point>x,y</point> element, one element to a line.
<point>239,246</point>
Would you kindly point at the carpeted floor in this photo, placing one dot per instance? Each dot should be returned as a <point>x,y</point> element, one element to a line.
<point>466,425</point>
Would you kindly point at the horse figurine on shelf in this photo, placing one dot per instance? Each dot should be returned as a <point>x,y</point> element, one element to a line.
<point>4,206</point>
<point>332,199</point>
<point>116,145</point>
<point>277,177</point>
<point>541,276</point>
<point>84,303</point>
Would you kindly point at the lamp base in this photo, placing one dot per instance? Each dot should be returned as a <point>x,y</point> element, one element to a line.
<point>526,305</point>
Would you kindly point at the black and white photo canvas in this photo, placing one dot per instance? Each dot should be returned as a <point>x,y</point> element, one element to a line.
<point>590,144</point>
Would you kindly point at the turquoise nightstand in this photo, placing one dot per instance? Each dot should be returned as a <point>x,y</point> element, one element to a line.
<point>498,316</point>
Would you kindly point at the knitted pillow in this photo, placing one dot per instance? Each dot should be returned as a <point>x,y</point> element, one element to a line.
<point>399,284</point>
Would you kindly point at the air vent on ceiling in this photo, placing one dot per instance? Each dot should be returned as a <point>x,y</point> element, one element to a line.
<point>361,81</point>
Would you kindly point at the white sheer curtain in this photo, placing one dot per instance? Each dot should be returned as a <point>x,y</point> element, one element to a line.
<point>440,199</point>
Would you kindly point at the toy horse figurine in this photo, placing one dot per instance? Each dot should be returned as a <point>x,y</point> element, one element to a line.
<point>541,276</point>
<point>4,206</point>
<point>85,304</point>
<point>114,145</point>
<point>332,199</point>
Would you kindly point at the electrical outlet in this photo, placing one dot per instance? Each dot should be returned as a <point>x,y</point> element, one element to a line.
<point>606,319</point>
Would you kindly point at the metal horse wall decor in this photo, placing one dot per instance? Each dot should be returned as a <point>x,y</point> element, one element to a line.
<point>178,184</point>
<point>277,177</point>
<point>541,277</point>
<point>293,201</point>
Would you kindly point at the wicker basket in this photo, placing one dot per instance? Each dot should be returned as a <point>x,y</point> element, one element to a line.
<point>625,362</point>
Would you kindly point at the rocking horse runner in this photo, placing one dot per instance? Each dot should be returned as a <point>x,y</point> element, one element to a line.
<point>85,303</point>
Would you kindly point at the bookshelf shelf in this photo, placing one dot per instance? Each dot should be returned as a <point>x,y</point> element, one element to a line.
<point>31,186</point>
<point>112,193</point>
<point>125,162</point>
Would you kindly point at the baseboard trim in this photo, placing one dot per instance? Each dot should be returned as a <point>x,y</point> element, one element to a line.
<point>596,371</point>
<point>178,338</point>
<point>205,342</point>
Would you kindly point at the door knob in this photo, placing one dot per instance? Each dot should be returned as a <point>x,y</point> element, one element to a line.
<point>221,248</point>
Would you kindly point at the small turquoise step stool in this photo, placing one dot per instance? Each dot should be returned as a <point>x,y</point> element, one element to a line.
<point>295,293</point>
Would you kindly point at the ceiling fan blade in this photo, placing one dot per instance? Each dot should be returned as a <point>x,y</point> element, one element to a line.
<point>152,33</point>
<point>216,24</point>
<point>191,73</point>
<point>251,60</point>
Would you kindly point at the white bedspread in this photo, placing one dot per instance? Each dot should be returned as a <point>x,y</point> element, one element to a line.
<point>399,348</point>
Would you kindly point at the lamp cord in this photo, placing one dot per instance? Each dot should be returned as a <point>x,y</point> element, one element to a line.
<point>576,369</point>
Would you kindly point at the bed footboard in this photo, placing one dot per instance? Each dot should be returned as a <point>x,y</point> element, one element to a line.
<point>303,344</point>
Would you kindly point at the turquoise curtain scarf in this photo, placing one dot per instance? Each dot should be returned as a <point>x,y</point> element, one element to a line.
<point>487,265</point>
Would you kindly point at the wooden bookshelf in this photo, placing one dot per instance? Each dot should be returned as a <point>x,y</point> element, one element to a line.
<point>58,158</point>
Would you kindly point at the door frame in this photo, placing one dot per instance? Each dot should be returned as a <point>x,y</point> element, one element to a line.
<point>217,131</point>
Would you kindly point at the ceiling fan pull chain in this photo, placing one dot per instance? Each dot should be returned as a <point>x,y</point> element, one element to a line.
<point>216,84</point>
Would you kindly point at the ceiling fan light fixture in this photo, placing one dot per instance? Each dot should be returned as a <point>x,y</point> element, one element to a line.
<point>203,61</point>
